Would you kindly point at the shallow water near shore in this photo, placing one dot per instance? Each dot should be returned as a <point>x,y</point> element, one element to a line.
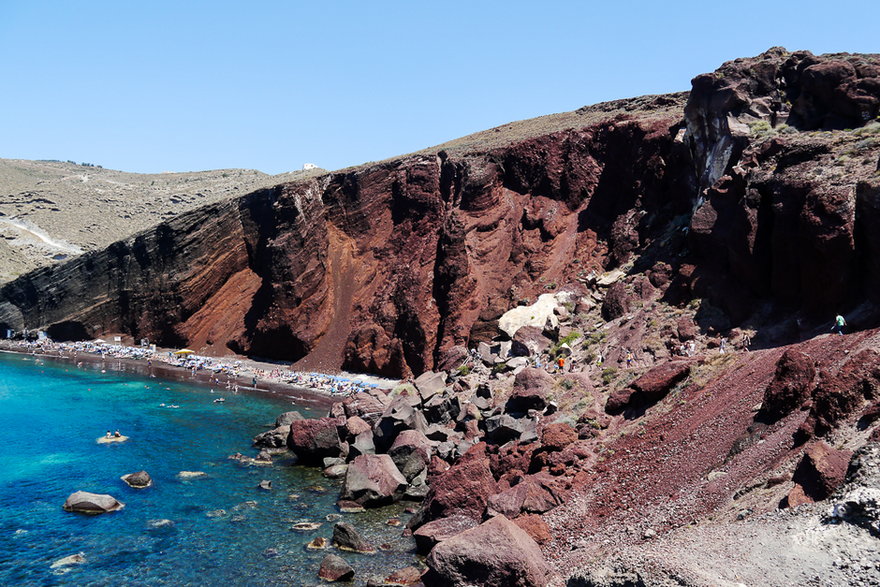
<point>218,528</point>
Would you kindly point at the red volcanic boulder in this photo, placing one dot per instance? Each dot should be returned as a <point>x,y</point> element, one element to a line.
<point>373,480</point>
<point>791,385</point>
<point>334,568</point>
<point>535,526</point>
<point>463,489</point>
<point>660,274</point>
<point>512,457</point>
<point>820,472</point>
<point>356,425</point>
<point>838,395</point>
<point>616,302</point>
<point>657,382</point>
<point>686,329</point>
<point>314,440</point>
<point>407,576</point>
<point>437,531</point>
<point>529,495</point>
<point>530,388</point>
<point>368,405</point>
<point>411,453</point>
<point>649,388</point>
<point>557,436</point>
<point>497,553</point>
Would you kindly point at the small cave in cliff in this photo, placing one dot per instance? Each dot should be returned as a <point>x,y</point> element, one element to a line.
<point>68,331</point>
<point>278,344</point>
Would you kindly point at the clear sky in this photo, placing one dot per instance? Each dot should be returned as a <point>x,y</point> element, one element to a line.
<point>187,85</point>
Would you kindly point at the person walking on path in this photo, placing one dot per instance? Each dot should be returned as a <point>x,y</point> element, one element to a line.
<point>839,323</point>
<point>629,359</point>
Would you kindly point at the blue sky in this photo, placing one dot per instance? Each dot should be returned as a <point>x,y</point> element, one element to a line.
<point>190,85</point>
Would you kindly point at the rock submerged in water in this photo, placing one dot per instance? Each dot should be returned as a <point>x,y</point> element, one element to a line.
<point>334,568</point>
<point>67,561</point>
<point>345,537</point>
<point>191,474</point>
<point>139,480</point>
<point>92,503</point>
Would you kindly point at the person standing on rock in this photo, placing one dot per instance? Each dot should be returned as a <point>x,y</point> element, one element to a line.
<point>629,359</point>
<point>839,323</point>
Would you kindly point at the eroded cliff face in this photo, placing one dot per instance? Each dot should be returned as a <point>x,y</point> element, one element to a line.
<point>393,268</point>
<point>781,170</point>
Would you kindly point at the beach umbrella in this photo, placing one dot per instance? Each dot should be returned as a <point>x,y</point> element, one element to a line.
<point>184,352</point>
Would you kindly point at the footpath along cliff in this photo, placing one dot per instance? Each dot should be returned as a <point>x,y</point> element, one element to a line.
<point>684,255</point>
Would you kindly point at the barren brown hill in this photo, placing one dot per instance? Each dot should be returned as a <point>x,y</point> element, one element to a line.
<point>51,211</point>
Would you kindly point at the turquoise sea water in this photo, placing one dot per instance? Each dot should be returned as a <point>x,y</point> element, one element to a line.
<point>222,528</point>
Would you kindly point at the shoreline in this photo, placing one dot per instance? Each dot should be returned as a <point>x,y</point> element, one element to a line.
<point>154,366</point>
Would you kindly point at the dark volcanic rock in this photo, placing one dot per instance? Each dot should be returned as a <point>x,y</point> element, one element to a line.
<point>819,473</point>
<point>840,394</point>
<point>411,453</point>
<point>530,388</point>
<point>345,537</point>
<point>139,480</point>
<point>792,385</point>
<point>275,438</point>
<point>497,553</point>
<point>314,440</point>
<point>398,416</point>
<point>616,302</point>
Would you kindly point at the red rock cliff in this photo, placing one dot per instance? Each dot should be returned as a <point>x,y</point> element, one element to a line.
<point>389,267</point>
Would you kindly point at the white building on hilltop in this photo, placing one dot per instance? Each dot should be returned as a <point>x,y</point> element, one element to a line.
<point>307,166</point>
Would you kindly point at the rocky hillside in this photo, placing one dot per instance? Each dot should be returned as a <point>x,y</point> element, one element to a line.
<point>51,211</point>
<point>683,256</point>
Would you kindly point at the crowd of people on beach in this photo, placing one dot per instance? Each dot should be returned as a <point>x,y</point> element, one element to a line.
<point>222,371</point>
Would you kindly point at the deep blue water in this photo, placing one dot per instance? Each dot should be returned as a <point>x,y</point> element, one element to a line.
<point>51,413</point>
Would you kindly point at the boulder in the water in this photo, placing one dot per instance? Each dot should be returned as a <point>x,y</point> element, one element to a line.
<point>74,559</point>
<point>191,474</point>
<point>345,537</point>
<point>139,480</point>
<point>111,439</point>
<point>319,543</point>
<point>92,503</point>
<point>265,485</point>
<point>334,568</point>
